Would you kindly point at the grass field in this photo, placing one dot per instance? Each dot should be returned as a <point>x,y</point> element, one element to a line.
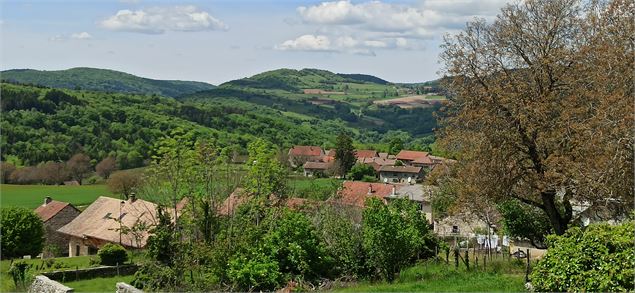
<point>31,196</point>
<point>99,284</point>
<point>440,277</point>
<point>7,285</point>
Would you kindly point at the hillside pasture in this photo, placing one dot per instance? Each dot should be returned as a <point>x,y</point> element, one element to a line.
<point>410,102</point>
<point>31,196</point>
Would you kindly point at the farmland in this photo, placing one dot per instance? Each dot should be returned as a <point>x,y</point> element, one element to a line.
<point>409,102</point>
<point>30,196</point>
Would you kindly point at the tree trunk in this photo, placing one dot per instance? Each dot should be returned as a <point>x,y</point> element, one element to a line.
<point>558,222</point>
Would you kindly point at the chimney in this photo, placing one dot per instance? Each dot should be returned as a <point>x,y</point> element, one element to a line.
<point>370,188</point>
<point>133,197</point>
<point>47,200</point>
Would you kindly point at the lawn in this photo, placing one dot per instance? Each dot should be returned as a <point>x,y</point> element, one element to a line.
<point>38,265</point>
<point>99,284</point>
<point>440,277</point>
<point>31,196</point>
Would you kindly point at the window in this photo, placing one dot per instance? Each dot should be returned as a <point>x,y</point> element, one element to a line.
<point>107,216</point>
<point>76,250</point>
<point>455,229</point>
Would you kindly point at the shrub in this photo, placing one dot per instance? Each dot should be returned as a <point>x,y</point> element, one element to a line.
<point>112,254</point>
<point>22,233</point>
<point>19,274</point>
<point>598,258</point>
<point>359,171</point>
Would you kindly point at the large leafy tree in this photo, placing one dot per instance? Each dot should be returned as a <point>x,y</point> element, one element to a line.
<point>541,106</point>
<point>266,175</point>
<point>22,232</point>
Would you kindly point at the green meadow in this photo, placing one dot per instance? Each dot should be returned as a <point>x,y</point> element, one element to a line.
<point>31,196</point>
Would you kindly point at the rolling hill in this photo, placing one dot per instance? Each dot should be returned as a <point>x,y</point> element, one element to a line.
<point>103,80</point>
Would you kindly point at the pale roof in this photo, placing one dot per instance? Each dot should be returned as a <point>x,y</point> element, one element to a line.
<point>99,220</point>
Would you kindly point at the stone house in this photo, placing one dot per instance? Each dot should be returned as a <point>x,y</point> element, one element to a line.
<point>397,174</point>
<point>316,169</point>
<point>111,220</point>
<point>416,158</point>
<point>54,215</point>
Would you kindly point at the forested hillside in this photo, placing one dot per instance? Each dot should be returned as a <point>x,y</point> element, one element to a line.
<point>284,106</point>
<point>42,124</point>
<point>103,80</point>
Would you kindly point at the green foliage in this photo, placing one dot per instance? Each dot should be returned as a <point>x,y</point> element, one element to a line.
<point>265,175</point>
<point>112,254</point>
<point>255,271</point>
<point>525,221</point>
<point>19,274</point>
<point>22,232</point>
<point>394,235</point>
<point>344,154</point>
<point>359,171</point>
<point>104,80</point>
<point>598,258</point>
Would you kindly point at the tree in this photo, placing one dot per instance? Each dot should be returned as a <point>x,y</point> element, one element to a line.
<point>79,167</point>
<point>525,221</point>
<point>106,167</point>
<point>358,171</point>
<point>396,145</point>
<point>124,182</point>
<point>5,171</point>
<point>344,154</point>
<point>540,105</point>
<point>53,173</point>
<point>265,174</point>
<point>394,235</point>
<point>22,232</point>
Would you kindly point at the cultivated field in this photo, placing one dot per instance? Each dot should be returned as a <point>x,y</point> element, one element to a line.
<point>31,196</point>
<point>409,102</point>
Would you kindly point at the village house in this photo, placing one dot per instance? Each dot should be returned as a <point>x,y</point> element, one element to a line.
<point>54,215</point>
<point>300,154</point>
<point>396,174</point>
<point>361,154</point>
<point>111,220</point>
<point>316,169</point>
<point>415,158</point>
<point>354,194</point>
<point>377,162</point>
<point>240,196</point>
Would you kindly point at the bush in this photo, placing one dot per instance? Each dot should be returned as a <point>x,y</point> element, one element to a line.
<point>599,258</point>
<point>22,233</point>
<point>359,171</point>
<point>112,254</point>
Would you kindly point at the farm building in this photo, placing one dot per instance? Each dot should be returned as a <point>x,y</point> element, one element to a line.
<point>416,158</point>
<point>316,169</point>
<point>111,220</point>
<point>56,214</point>
<point>300,154</point>
<point>396,174</point>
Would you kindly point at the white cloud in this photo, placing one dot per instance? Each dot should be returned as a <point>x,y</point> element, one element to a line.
<point>56,38</point>
<point>158,20</point>
<point>307,43</point>
<point>81,36</point>
<point>425,20</point>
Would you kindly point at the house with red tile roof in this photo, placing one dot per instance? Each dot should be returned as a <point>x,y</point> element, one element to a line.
<point>361,154</point>
<point>54,215</point>
<point>415,158</point>
<point>240,197</point>
<point>300,154</point>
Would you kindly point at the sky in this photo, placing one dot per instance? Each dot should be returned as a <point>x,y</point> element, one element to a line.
<point>219,41</point>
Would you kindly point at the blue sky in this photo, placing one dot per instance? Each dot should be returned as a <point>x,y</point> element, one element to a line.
<point>217,41</point>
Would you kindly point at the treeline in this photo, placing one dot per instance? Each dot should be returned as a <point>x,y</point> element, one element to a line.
<point>77,168</point>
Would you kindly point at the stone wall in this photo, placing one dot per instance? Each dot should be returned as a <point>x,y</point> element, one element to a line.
<point>125,288</point>
<point>42,284</point>
<point>56,239</point>
<point>90,273</point>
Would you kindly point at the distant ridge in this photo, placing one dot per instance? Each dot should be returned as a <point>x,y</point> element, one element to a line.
<point>104,80</point>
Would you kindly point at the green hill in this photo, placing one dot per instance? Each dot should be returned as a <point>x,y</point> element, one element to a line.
<point>42,124</point>
<point>103,80</point>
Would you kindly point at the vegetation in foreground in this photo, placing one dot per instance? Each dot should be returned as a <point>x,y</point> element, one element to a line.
<point>432,276</point>
<point>99,284</point>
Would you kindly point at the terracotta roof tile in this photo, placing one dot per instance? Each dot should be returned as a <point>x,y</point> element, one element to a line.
<point>317,165</point>
<point>304,150</point>
<point>48,211</point>
<point>365,153</point>
<point>406,155</point>
<point>355,193</point>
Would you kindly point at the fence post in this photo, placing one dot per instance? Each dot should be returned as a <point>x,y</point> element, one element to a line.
<point>528,267</point>
<point>117,264</point>
<point>467,259</point>
<point>456,257</point>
